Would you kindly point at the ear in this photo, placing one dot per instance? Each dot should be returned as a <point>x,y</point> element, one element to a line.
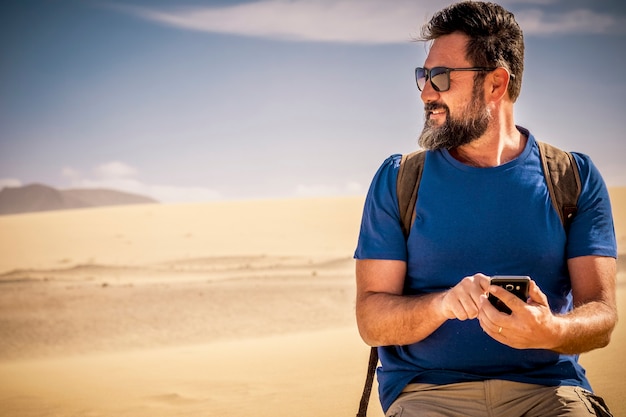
<point>498,83</point>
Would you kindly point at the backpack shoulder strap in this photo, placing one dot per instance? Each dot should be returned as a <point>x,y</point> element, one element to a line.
<point>563,179</point>
<point>369,382</point>
<point>407,186</point>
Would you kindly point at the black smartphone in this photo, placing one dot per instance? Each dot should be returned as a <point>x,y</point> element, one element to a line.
<point>518,285</point>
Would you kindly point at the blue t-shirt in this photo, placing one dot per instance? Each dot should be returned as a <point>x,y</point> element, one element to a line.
<point>497,221</point>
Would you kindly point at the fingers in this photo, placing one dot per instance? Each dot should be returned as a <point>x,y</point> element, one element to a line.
<point>462,308</point>
<point>483,281</point>
<point>537,297</point>
<point>507,299</point>
<point>528,326</point>
<point>492,320</point>
<point>462,302</point>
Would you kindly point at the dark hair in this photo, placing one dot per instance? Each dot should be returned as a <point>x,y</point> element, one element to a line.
<point>495,38</point>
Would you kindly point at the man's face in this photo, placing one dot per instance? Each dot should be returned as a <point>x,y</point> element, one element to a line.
<point>457,116</point>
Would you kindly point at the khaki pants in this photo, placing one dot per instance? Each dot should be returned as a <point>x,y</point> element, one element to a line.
<point>496,398</point>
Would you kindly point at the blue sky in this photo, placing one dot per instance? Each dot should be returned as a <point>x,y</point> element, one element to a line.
<point>219,100</point>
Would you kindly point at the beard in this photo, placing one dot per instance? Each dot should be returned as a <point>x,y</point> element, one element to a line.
<point>455,132</point>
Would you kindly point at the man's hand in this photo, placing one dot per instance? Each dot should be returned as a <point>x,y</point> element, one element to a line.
<point>529,326</point>
<point>463,301</point>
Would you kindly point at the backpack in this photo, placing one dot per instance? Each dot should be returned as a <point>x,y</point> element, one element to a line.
<point>564,186</point>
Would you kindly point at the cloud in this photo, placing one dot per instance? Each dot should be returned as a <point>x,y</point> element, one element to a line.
<point>348,21</point>
<point>10,182</point>
<point>176,194</point>
<point>541,2</point>
<point>70,173</point>
<point>326,190</point>
<point>361,21</point>
<point>120,176</point>
<point>115,170</point>
<point>538,22</point>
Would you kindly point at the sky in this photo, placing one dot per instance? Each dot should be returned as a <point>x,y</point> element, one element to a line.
<point>192,101</point>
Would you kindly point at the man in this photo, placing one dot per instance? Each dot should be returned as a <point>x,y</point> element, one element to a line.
<point>483,209</point>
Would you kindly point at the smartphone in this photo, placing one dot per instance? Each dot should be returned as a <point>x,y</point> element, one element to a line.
<point>516,284</point>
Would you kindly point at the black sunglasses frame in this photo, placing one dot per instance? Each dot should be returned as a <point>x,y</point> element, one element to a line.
<point>427,75</point>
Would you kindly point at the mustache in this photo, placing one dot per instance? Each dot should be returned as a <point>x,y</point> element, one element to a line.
<point>428,107</point>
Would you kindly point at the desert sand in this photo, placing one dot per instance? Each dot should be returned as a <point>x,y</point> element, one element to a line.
<point>220,309</point>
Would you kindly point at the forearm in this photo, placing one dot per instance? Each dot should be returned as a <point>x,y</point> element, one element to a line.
<point>389,319</point>
<point>590,324</point>
<point>585,328</point>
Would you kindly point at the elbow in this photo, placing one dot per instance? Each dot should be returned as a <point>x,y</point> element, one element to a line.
<point>605,342</point>
<point>604,339</point>
<point>369,325</point>
<point>370,338</point>
<point>365,330</point>
<point>611,327</point>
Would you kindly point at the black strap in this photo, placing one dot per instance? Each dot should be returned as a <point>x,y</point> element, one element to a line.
<point>369,381</point>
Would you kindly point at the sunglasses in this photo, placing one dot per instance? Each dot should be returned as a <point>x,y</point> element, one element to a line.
<point>440,76</point>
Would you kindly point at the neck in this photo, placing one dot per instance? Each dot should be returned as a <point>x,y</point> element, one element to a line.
<point>501,143</point>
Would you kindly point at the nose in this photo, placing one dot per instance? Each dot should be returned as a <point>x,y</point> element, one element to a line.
<point>428,93</point>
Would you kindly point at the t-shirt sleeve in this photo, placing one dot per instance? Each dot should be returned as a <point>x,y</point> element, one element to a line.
<point>592,231</point>
<point>381,236</point>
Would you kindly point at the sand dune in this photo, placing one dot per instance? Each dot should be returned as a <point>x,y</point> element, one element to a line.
<point>102,309</point>
<point>230,309</point>
<point>138,235</point>
<point>39,197</point>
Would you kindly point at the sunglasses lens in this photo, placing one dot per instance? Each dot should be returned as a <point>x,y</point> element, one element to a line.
<point>420,77</point>
<point>440,79</point>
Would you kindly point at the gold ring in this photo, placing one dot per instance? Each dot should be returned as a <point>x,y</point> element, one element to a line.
<point>500,330</point>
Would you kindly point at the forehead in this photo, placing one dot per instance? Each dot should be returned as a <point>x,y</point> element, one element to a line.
<point>448,51</point>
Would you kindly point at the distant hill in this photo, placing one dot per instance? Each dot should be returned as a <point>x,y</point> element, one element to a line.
<point>38,197</point>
